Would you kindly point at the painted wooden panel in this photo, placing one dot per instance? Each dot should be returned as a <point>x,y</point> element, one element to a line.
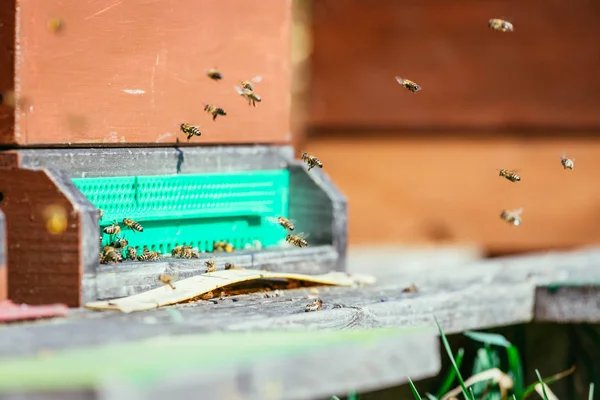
<point>131,71</point>
<point>545,73</point>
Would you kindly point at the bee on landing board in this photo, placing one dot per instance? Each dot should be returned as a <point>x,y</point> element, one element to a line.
<point>214,74</point>
<point>500,25</point>
<point>567,163</point>
<point>316,305</point>
<point>510,175</point>
<point>120,243</point>
<point>408,84</point>
<point>214,111</point>
<point>250,83</point>
<point>190,130</point>
<point>149,255</point>
<point>113,229</point>
<point>231,266</point>
<point>249,95</point>
<point>131,224</point>
<point>297,240</point>
<point>166,280</point>
<point>131,253</point>
<point>223,247</point>
<point>210,265</point>
<point>110,256</point>
<point>311,160</point>
<point>283,221</point>
<point>512,217</point>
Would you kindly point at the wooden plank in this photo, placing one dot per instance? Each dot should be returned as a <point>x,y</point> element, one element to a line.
<point>568,303</point>
<point>409,191</point>
<point>7,72</point>
<point>123,72</point>
<point>472,77</point>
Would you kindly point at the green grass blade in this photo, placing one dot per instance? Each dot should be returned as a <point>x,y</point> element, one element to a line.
<point>430,396</point>
<point>449,351</point>
<point>514,397</point>
<point>591,392</point>
<point>488,338</point>
<point>548,380</point>
<point>451,375</point>
<point>352,396</point>
<point>414,390</point>
<point>515,369</point>
<point>334,398</point>
<point>543,384</point>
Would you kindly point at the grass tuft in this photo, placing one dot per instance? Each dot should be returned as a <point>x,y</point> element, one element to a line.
<point>414,390</point>
<point>542,383</point>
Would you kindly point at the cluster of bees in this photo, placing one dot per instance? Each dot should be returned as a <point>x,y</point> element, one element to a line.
<point>512,217</point>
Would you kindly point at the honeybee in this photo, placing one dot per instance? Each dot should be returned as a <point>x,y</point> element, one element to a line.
<point>100,214</point>
<point>283,221</point>
<point>131,253</point>
<point>214,74</point>
<point>250,84</point>
<point>120,243</point>
<point>297,240</point>
<point>210,265</point>
<point>113,229</point>
<point>214,110</point>
<point>500,25</point>
<point>178,251</point>
<point>249,95</point>
<point>131,224</point>
<point>408,84</point>
<point>167,280</point>
<point>410,289</point>
<point>223,246</point>
<point>512,217</point>
<point>510,175</point>
<point>316,305</point>
<point>185,252</point>
<point>190,130</point>
<point>55,25</point>
<point>231,266</point>
<point>567,163</point>
<point>311,160</point>
<point>149,256</point>
<point>111,257</point>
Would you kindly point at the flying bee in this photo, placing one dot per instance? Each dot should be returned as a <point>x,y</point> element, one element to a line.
<point>512,217</point>
<point>311,160</point>
<point>316,305</point>
<point>283,221</point>
<point>410,85</point>
<point>190,130</point>
<point>297,240</point>
<point>250,84</point>
<point>113,229</point>
<point>567,163</point>
<point>249,95</point>
<point>510,175</point>
<point>131,253</point>
<point>167,280</point>
<point>111,257</point>
<point>131,224</point>
<point>120,243</point>
<point>214,110</point>
<point>214,74</point>
<point>149,256</point>
<point>210,265</point>
<point>223,247</point>
<point>500,25</point>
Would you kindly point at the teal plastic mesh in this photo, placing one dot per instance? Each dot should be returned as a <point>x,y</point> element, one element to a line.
<point>195,210</point>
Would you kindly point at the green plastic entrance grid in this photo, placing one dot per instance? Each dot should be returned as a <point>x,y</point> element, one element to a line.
<point>196,210</point>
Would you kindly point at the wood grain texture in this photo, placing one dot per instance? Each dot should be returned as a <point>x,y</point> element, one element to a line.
<point>543,74</point>
<point>568,303</point>
<point>7,72</point>
<point>125,72</point>
<point>411,190</point>
<point>42,268</point>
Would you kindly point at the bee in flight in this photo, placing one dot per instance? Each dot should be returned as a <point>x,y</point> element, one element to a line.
<point>250,84</point>
<point>249,95</point>
<point>210,265</point>
<point>223,246</point>
<point>567,163</point>
<point>214,74</point>
<point>510,175</point>
<point>500,25</point>
<point>316,305</point>
<point>119,243</point>
<point>113,229</point>
<point>297,240</point>
<point>410,85</point>
<point>283,221</point>
<point>131,253</point>
<point>166,280</point>
<point>214,110</point>
<point>131,224</point>
<point>190,130</point>
<point>512,217</point>
<point>311,160</point>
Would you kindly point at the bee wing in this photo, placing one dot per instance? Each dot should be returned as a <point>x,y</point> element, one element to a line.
<point>518,211</point>
<point>239,89</point>
<point>272,220</point>
<point>400,80</point>
<point>256,79</point>
<point>303,235</point>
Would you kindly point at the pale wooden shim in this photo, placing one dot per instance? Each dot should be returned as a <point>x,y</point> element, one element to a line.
<point>198,285</point>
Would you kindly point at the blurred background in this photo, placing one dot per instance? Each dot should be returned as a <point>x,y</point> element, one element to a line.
<point>421,169</point>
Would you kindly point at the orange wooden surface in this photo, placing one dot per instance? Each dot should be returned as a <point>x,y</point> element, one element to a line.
<point>131,71</point>
<point>409,191</point>
<point>543,74</point>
